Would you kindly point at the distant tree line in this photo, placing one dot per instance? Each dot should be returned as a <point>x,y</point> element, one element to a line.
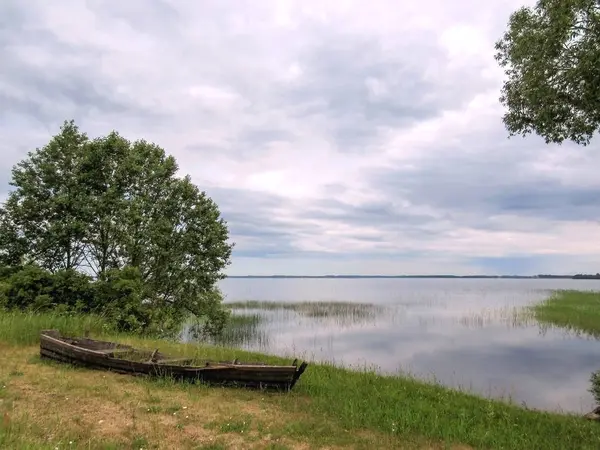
<point>104,225</point>
<point>578,276</point>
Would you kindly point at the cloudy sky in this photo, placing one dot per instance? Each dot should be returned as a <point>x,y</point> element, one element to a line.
<point>336,136</point>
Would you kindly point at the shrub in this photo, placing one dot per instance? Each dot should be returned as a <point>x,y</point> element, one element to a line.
<point>595,389</point>
<point>120,296</point>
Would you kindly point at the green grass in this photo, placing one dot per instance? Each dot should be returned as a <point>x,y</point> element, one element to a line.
<point>405,406</point>
<point>573,310</point>
<point>334,406</point>
<point>24,328</point>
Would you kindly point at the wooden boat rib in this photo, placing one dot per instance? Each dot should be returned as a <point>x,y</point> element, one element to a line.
<point>105,355</point>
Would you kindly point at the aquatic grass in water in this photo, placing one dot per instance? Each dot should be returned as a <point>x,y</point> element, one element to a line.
<point>243,329</point>
<point>343,311</point>
<point>573,310</point>
<point>240,330</point>
<point>511,316</point>
<point>248,326</point>
<point>522,317</point>
<point>243,320</point>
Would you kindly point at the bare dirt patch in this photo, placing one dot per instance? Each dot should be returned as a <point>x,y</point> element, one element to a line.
<point>54,403</point>
<point>85,406</point>
<point>94,405</point>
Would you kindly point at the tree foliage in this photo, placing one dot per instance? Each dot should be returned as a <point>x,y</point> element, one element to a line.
<point>595,387</point>
<point>113,209</point>
<point>551,56</point>
<point>36,289</point>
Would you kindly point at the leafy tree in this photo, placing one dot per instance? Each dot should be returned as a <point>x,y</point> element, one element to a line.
<point>113,208</point>
<point>119,295</point>
<point>12,245</point>
<point>551,56</point>
<point>45,210</point>
<point>103,178</point>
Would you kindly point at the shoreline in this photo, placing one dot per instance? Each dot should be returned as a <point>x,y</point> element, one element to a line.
<point>384,411</point>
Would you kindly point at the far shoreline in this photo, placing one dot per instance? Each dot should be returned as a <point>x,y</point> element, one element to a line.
<point>516,277</point>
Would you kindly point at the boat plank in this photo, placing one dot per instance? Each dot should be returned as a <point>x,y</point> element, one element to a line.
<point>174,361</point>
<point>113,351</point>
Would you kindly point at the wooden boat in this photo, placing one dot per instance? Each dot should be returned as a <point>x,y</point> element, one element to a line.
<point>126,359</point>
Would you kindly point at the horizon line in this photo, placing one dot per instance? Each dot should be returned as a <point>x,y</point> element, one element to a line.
<point>542,276</point>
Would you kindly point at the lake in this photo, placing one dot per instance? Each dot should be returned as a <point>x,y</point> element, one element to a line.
<point>463,333</point>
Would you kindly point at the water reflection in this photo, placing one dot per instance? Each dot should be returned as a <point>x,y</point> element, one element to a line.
<point>463,333</point>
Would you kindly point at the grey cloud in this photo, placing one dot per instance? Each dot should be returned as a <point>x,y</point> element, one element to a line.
<point>9,156</point>
<point>261,136</point>
<point>71,85</point>
<point>550,199</point>
<point>253,223</point>
<point>331,94</point>
<point>5,177</point>
<point>337,71</point>
<point>383,214</point>
<point>160,17</point>
<point>11,17</point>
<point>199,44</point>
<point>336,75</point>
<point>333,189</point>
<point>470,188</point>
<point>76,94</point>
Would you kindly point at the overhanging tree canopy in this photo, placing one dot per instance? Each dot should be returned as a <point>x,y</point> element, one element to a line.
<point>551,56</point>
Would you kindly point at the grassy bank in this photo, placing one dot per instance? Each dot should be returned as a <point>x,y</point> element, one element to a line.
<point>573,310</point>
<point>46,405</point>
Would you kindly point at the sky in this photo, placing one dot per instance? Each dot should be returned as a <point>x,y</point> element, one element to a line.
<point>344,137</point>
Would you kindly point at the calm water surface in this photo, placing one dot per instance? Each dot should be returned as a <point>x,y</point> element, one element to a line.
<point>462,332</point>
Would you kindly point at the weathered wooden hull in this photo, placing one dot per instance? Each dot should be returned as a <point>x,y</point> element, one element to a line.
<point>102,355</point>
